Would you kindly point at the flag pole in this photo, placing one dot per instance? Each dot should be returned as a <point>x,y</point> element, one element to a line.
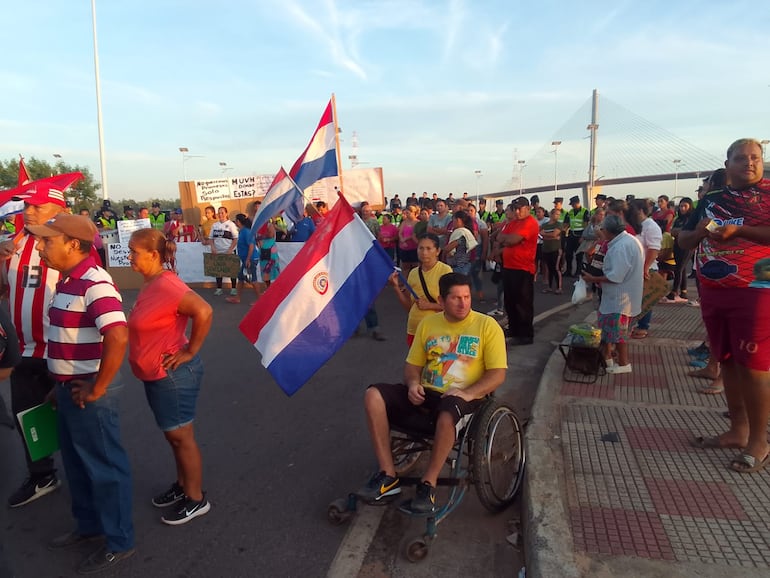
<point>337,140</point>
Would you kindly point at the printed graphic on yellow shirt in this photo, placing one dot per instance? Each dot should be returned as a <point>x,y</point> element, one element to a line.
<point>448,360</point>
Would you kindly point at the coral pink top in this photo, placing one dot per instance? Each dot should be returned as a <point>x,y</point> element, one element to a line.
<point>155,329</point>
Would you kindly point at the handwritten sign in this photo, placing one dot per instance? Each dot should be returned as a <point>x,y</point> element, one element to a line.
<point>117,255</point>
<point>221,265</point>
<point>109,236</point>
<point>250,187</point>
<point>654,288</point>
<point>125,228</point>
<point>213,190</point>
<point>234,188</point>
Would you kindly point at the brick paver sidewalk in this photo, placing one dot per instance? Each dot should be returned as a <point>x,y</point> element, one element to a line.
<point>635,490</point>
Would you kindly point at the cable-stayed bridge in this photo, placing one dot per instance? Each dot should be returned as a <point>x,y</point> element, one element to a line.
<point>604,144</point>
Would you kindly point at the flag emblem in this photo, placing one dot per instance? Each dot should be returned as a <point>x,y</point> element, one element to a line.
<point>321,282</point>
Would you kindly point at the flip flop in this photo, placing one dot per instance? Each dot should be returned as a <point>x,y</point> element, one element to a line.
<point>639,334</point>
<point>713,442</point>
<point>702,374</point>
<point>748,464</point>
<point>546,290</point>
<point>711,390</point>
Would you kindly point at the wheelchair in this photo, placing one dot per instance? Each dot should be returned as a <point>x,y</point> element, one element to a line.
<point>488,454</point>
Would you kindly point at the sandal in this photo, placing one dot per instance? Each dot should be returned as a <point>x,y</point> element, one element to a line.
<point>639,334</point>
<point>546,290</point>
<point>703,373</point>
<point>711,389</point>
<point>558,292</point>
<point>748,464</point>
<point>714,442</point>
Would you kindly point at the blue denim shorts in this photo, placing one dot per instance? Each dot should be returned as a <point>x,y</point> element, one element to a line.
<point>173,398</point>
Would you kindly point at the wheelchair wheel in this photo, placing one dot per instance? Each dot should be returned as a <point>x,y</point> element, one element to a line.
<point>497,455</point>
<point>406,452</point>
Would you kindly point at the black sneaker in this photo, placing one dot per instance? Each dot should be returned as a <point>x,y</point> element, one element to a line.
<point>424,501</point>
<point>170,497</point>
<point>187,511</point>
<point>102,560</point>
<point>378,487</point>
<point>32,489</point>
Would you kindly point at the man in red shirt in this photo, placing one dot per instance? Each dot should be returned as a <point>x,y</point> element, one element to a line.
<point>518,239</point>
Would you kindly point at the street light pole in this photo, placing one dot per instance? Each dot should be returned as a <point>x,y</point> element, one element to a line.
<point>555,144</point>
<point>185,157</point>
<point>522,164</point>
<point>676,162</point>
<point>102,159</point>
<point>478,178</point>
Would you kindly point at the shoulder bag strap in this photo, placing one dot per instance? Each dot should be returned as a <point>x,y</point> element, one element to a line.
<point>428,296</point>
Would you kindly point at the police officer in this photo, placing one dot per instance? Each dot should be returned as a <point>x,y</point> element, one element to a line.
<point>498,216</point>
<point>575,220</point>
<point>157,218</point>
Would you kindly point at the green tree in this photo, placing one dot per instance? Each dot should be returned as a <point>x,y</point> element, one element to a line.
<point>82,194</point>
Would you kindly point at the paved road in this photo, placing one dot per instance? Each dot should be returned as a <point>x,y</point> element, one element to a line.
<point>271,463</point>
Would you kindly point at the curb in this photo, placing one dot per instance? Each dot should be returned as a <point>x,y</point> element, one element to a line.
<point>549,550</point>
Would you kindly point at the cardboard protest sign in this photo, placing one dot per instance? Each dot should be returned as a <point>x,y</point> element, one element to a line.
<point>221,265</point>
<point>654,288</point>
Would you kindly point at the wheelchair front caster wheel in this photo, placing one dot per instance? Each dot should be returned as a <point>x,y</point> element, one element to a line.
<point>338,512</point>
<point>417,550</point>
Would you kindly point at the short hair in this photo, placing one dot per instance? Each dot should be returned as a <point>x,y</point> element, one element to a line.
<point>449,280</point>
<point>613,224</point>
<point>432,237</point>
<point>743,142</point>
<point>717,179</point>
<point>84,246</point>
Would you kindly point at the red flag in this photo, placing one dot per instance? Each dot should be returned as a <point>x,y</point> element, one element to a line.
<point>23,174</point>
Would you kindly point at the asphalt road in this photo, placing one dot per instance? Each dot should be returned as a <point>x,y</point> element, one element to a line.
<point>271,463</point>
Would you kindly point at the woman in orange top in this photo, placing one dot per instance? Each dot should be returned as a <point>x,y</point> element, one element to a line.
<point>162,357</point>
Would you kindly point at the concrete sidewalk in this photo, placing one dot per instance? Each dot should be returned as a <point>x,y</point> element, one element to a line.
<point>613,486</point>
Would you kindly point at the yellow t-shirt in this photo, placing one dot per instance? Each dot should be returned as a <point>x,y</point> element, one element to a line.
<point>431,281</point>
<point>457,354</point>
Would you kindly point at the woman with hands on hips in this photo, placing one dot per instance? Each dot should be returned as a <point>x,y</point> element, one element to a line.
<point>162,357</point>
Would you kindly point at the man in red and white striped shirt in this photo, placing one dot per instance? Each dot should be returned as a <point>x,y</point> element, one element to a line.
<point>87,339</point>
<point>31,285</point>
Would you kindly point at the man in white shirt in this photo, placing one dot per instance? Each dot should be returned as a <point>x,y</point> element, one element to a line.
<point>622,281</point>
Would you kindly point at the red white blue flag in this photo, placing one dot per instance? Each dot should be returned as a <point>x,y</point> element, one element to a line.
<point>319,159</point>
<point>283,196</point>
<point>317,302</point>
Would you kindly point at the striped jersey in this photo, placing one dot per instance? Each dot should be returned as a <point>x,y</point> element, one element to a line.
<point>86,304</point>
<point>32,285</point>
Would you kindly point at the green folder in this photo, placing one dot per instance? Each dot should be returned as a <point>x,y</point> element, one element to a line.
<point>39,425</point>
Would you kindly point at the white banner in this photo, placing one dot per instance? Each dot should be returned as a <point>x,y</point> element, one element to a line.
<point>231,189</point>
<point>125,228</point>
<point>360,185</point>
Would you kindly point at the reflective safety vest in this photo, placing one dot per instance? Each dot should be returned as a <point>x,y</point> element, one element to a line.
<point>484,216</point>
<point>108,223</point>
<point>159,221</point>
<point>576,221</point>
<point>496,218</point>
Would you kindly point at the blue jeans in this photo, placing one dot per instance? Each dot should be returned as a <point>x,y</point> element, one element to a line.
<point>464,269</point>
<point>644,320</point>
<point>371,320</point>
<point>97,467</point>
<point>476,267</point>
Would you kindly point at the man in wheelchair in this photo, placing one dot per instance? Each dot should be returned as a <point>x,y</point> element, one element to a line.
<point>457,358</point>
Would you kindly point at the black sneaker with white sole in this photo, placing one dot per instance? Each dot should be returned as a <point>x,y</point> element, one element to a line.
<point>170,497</point>
<point>380,486</point>
<point>188,510</point>
<point>34,488</point>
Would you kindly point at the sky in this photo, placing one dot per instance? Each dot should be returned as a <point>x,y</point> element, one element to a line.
<point>434,90</point>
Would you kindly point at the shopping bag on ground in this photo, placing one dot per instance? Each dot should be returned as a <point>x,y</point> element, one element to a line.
<point>580,292</point>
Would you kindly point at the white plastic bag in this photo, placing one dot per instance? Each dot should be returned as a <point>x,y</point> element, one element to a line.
<point>580,292</point>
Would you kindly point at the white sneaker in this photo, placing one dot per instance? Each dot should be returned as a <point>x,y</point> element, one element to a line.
<point>619,369</point>
<point>609,362</point>
<point>495,312</point>
<point>217,293</point>
<point>233,292</point>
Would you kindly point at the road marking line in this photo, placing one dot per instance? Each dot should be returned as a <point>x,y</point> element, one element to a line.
<point>350,556</point>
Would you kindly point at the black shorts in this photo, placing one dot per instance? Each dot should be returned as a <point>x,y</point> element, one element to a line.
<point>422,418</point>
